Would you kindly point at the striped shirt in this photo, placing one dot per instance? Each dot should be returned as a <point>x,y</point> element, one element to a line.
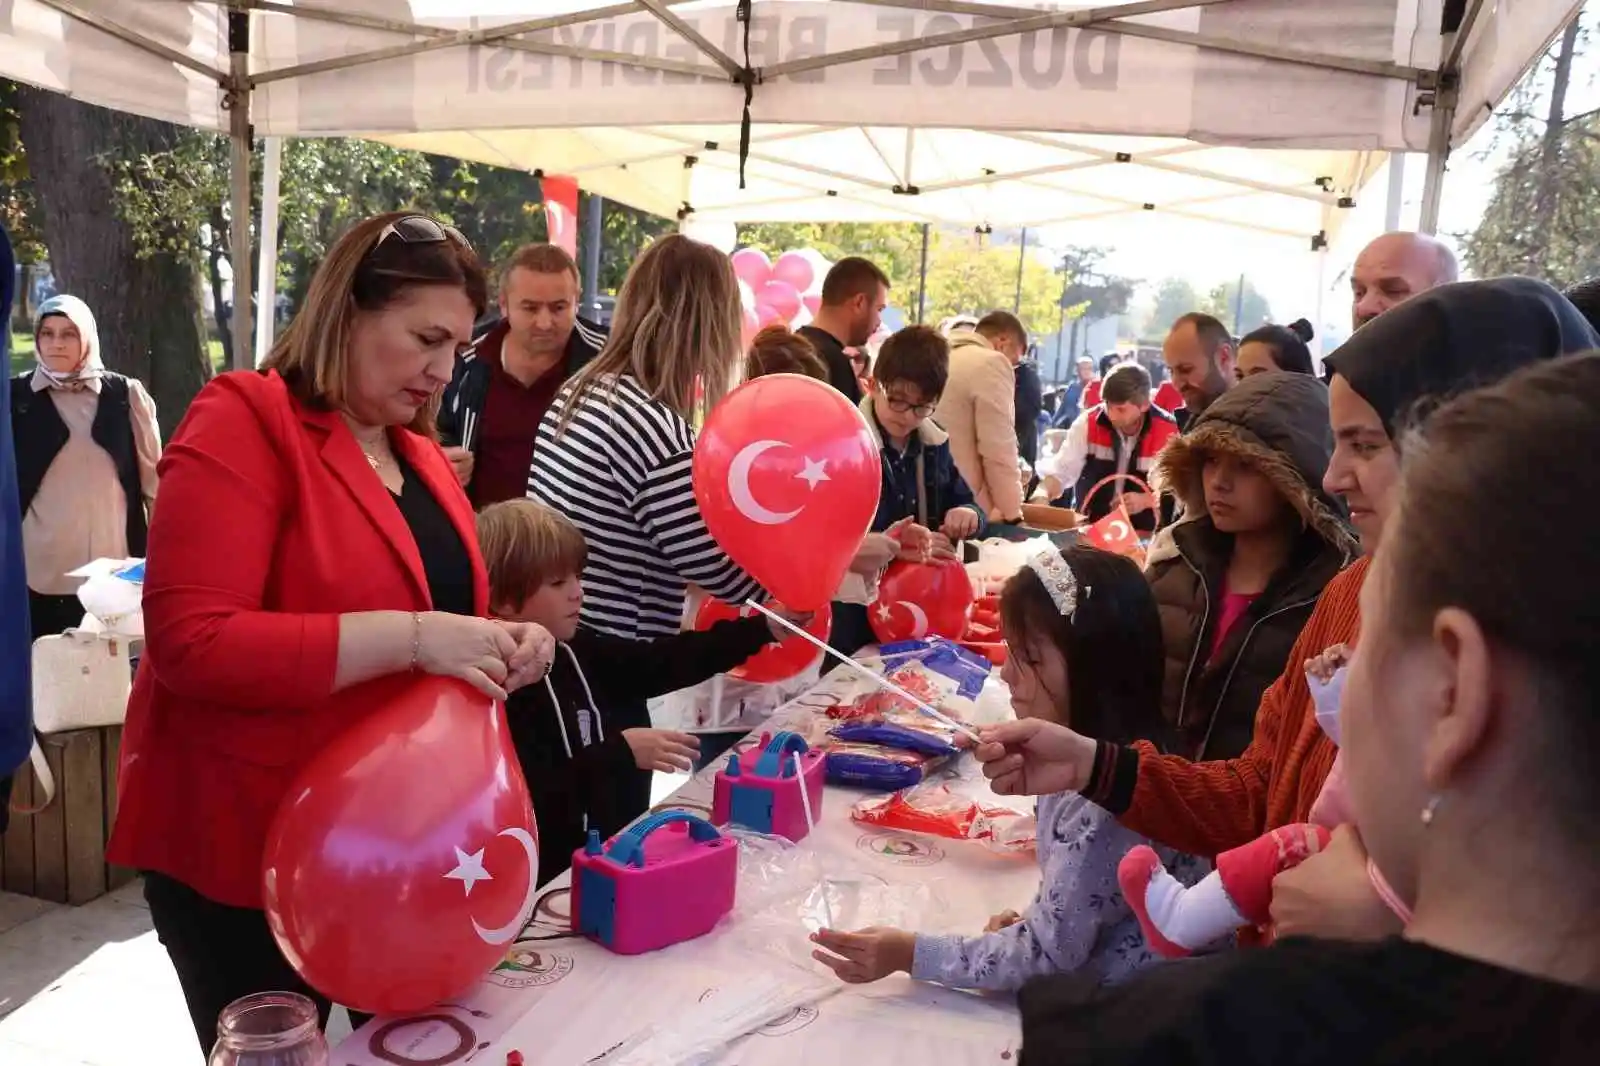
<point>621,473</point>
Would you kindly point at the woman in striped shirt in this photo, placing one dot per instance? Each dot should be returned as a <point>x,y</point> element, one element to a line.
<point>615,448</point>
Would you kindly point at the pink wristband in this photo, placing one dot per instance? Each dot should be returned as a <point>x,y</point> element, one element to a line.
<point>1381,886</point>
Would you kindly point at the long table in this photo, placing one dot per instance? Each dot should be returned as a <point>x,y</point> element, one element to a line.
<point>563,1001</point>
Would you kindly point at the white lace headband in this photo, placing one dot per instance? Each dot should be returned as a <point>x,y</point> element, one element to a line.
<point>1058,580</point>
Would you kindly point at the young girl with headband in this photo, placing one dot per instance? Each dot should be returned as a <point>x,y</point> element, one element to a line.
<point>1086,651</point>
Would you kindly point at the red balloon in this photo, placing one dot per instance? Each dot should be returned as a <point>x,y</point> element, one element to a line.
<point>781,297</point>
<point>811,303</point>
<point>751,266</point>
<point>775,662</point>
<point>786,474</point>
<point>404,859</point>
<point>767,315</point>
<point>794,269</point>
<point>917,600</point>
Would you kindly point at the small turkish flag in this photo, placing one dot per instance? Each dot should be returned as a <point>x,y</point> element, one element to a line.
<point>1114,533</point>
<point>561,211</point>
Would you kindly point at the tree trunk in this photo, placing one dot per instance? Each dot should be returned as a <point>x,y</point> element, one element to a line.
<point>148,310</point>
<point>1545,201</point>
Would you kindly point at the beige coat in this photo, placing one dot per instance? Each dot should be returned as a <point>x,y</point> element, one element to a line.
<point>978,410</point>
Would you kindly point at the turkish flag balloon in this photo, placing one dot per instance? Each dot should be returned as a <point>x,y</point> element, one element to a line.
<point>917,600</point>
<point>786,474</point>
<point>404,859</point>
<point>793,269</point>
<point>775,662</point>
<point>751,266</point>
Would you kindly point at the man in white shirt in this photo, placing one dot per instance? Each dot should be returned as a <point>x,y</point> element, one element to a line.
<point>1122,435</point>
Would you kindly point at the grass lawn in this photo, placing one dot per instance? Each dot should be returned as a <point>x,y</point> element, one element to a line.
<point>22,353</point>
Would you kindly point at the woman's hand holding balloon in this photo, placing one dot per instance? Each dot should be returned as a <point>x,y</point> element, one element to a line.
<point>1032,757</point>
<point>475,650</point>
<point>536,650</point>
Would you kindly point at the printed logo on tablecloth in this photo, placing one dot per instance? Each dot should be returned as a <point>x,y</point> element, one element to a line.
<point>525,968</point>
<point>792,1022</point>
<point>901,850</point>
<point>425,1040</point>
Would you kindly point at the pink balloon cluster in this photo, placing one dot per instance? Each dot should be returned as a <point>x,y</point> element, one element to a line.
<point>786,292</point>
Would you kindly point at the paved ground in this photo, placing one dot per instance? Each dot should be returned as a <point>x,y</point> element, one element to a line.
<point>91,986</point>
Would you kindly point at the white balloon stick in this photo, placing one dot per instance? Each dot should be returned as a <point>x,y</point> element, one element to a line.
<point>867,672</point>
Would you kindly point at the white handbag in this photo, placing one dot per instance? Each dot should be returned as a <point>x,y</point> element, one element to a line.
<point>81,680</point>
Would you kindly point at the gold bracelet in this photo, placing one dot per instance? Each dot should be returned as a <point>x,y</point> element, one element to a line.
<point>416,638</point>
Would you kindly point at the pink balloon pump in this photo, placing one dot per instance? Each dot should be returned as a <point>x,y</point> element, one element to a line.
<point>772,796</point>
<point>669,878</point>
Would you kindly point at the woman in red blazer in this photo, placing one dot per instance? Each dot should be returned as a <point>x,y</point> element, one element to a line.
<point>313,551</point>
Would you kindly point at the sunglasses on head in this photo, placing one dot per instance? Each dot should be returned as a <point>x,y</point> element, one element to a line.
<point>420,229</point>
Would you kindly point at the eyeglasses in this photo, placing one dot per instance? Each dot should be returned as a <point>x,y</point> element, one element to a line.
<point>899,406</point>
<point>420,229</point>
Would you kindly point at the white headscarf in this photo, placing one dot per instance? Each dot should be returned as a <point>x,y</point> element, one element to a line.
<point>77,312</point>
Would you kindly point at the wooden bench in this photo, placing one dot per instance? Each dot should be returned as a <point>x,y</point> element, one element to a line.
<point>59,853</point>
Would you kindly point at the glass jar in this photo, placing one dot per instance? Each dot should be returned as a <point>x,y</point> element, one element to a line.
<point>270,1029</point>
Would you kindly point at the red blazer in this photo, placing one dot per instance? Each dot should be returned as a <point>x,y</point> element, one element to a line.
<point>271,525</point>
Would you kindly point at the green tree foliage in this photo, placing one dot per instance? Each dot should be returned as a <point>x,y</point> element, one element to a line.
<point>1223,301</point>
<point>625,233</point>
<point>1543,218</point>
<point>1175,297</point>
<point>18,210</point>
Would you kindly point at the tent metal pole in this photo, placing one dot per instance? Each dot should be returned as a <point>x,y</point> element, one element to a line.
<point>1397,191</point>
<point>239,174</point>
<point>922,279</point>
<point>594,234</point>
<point>267,286</point>
<point>1022,261</point>
<point>1318,342</point>
<point>1444,113</point>
<point>137,40</point>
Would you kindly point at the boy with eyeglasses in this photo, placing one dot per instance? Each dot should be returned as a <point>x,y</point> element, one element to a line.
<point>920,479</point>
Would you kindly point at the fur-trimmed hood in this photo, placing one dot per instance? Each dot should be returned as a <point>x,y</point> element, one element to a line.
<point>1277,422</point>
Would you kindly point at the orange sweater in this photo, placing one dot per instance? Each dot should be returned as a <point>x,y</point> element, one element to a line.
<point>1209,807</point>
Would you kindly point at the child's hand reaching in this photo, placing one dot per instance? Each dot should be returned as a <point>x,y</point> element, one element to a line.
<point>1324,666</point>
<point>1003,920</point>
<point>867,955</point>
<point>662,749</point>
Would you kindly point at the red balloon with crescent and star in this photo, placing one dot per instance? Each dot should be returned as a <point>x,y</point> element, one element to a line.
<point>404,858</point>
<point>917,600</point>
<point>775,662</point>
<point>787,476</point>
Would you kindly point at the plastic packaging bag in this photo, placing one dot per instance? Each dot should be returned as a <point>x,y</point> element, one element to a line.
<point>934,808</point>
<point>112,594</point>
<point>875,766</point>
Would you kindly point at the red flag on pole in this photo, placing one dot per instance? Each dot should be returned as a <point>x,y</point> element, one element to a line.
<point>561,211</point>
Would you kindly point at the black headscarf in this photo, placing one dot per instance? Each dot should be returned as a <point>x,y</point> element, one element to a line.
<point>1456,338</point>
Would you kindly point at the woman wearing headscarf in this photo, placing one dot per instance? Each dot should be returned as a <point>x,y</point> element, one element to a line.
<point>87,444</point>
<point>1470,744</point>
<point>1449,340</point>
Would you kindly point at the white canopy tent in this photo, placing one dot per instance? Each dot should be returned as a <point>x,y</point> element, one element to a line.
<point>1266,114</point>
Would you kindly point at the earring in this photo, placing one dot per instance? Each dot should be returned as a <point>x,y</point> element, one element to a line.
<point>1431,809</point>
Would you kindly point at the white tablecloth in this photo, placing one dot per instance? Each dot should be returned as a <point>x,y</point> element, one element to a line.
<point>566,1002</point>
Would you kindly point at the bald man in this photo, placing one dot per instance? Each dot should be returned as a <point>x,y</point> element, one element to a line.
<point>1393,269</point>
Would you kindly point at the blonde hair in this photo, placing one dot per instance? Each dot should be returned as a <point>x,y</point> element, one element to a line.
<point>525,546</point>
<point>675,331</point>
<point>360,273</point>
